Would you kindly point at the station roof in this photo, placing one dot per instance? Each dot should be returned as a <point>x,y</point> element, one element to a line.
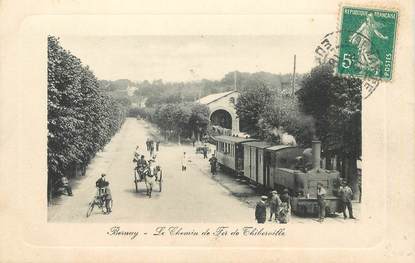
<point>214,97</point>
<point>233,139</point>
<point>280,147</point>
<point>258,144</point>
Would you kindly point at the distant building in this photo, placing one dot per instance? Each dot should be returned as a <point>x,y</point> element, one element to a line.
<point>222,109</point>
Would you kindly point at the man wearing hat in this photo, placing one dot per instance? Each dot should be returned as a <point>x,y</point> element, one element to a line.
<point>321,200</point>
<point>141,165</point>
<point>261,210</point>
<point>213,163</point>
<point>274,205</point>
<point>346,193</point>
<point>104,191</point>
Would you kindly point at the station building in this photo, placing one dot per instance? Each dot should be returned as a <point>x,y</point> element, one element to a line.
<point>222,110</point>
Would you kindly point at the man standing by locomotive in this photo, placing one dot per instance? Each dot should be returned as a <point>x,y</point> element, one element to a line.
<point>346,194</point>
<point>321,200</point>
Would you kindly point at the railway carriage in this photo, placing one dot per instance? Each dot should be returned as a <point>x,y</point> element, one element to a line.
<point>254,161</point>
<point>230,152</point>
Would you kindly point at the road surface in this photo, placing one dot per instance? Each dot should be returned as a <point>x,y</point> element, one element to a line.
<point>190,196</point>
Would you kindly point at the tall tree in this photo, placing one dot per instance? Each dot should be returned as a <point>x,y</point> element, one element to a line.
<point>251,105</point>
<point>335,104</point>
<point>81,119</point>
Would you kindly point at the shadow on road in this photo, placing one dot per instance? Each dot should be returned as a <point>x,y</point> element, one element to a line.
<point>142,193</point>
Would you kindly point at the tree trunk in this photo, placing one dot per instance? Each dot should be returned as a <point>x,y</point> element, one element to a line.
<point>351,175</point>
<point>49,195</point>
<point>329,164</point>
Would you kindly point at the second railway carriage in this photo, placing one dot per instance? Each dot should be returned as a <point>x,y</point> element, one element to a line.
<point>254,161</point>
<point>230,152</point>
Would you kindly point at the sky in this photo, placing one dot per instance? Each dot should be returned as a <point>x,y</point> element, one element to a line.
<point>190,58</point>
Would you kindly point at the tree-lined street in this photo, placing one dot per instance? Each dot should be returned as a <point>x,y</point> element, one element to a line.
<point>189,196</point>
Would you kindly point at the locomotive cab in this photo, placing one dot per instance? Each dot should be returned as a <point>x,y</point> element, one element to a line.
<point>302,184</point>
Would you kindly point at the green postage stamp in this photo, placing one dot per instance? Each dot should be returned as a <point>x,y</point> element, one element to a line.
<point>367,42</point>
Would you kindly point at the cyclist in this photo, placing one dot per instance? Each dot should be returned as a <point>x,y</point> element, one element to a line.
<point>104,191</point>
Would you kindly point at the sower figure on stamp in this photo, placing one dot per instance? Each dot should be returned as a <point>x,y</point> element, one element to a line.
<point>261,210</point>
<point>321,200</point>
<point>362,39</point>
<point>346,195</point>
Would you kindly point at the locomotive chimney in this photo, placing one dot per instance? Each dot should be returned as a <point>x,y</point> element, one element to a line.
<point>316,150</point>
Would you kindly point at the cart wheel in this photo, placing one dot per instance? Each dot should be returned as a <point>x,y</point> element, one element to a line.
<point>90,208</point>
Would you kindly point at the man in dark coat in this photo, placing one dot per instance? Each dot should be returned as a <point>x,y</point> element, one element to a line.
<point>141,166</point>
<point>261,210</point>
<point>346,195</point>
<point>104,191</point>
<point>157,145</point>
<point>205,151</point>
<point>213,163</point>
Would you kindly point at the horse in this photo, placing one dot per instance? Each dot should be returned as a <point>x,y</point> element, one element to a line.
<point>151,176</point>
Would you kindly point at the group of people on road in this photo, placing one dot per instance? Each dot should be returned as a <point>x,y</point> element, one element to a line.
<point>152,146</point>
<point>345,194</point>
<point>279,206</point>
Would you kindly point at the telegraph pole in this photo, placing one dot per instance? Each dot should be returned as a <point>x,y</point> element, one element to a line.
<point>234,80</point>
<point>293,80</point>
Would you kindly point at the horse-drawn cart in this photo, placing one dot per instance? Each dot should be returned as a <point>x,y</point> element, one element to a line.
<point>143,175</point>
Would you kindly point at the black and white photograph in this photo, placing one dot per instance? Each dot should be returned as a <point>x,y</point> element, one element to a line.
<point>207,131</point>
<point>201,129</point>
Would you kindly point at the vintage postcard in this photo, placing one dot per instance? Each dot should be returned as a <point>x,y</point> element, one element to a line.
<point>222,132</point>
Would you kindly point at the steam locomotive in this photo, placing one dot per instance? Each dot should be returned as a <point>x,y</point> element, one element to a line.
<point>281,166</point>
